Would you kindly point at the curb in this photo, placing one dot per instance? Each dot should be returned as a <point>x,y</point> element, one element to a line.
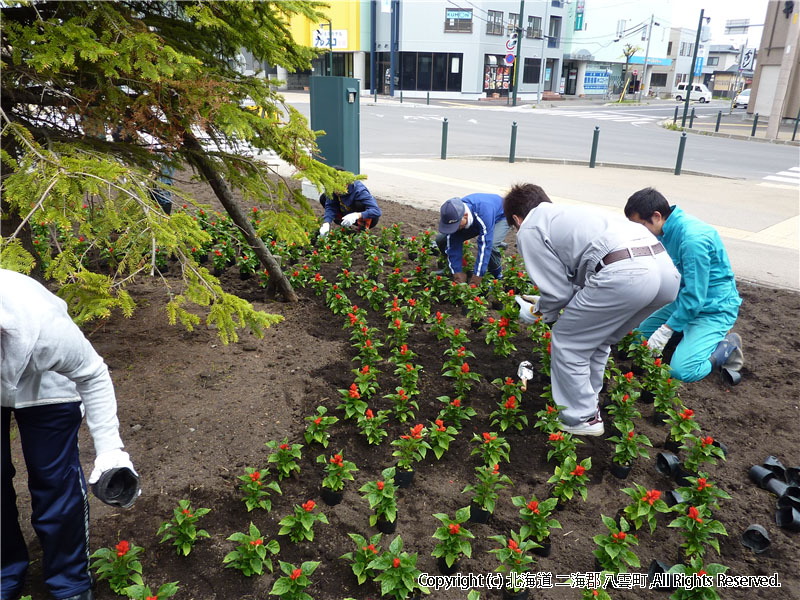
<point>731,136</point>
<point>585,163</point>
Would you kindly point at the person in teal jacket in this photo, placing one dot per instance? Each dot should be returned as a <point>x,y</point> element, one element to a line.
<point>697,324</point>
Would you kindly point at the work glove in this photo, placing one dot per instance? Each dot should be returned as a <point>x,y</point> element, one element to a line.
<point>528,308</point>
<point>111,459</point>
<point>475,280</point>
<point>349,220</point>
<point>323,231</point>
<point>460,277</point>
<point>659,339</point>
<point>525,373</point>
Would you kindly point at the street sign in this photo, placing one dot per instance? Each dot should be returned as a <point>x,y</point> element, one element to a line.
<point>509,59</point>
<point>748,58</point>
<point>512,43</point>
<point>636,71</point>
<point>698,67</point>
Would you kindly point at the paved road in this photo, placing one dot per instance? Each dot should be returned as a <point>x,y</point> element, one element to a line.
<point>628,135</point>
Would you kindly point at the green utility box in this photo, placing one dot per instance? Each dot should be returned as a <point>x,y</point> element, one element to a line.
<point>335,109</point>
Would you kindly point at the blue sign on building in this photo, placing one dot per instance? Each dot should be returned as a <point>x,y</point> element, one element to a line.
<point>698,67</point>
<point>595,82</point>
<point>651,60</point>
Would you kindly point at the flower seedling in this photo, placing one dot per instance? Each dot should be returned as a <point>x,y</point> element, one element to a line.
<point>645,506</point>
<point>536,516</point>
<point>398,331</point>
<point>120,565</point>
<point>319,283</point>
<point>248,263</point>
<point>399,574</point>
<point>628,445</point>
<point>499,334</point>
<point>371,425</point>
<point>317,428</point>
<point>381,497</point>
<point>491,448</point>
<point>143,592</point>
<point>698,529</point>
<point>440,436</point>
<point>404,405</point>
<point>569,478</point>
<point>485,491</point>
<point>411,447</point>
<point>365,553</point>
<point>547,419</point>
<point>252,554</point>
<point>613,549</point>
<point>284,456</point>
<point>337,471</point>
<point>255,491</point>
<point>681,422</point>
<point>623,408</point>
<point>351,404</point>
<point>455,410</point>
<point>476,308</point>
<point>509,415</point>
<point>300,525</point>
<point>292,585</point>
<point>562,445</point>
<point>402,355</point>
<point>409,375</point>
<point>438,323</point>
<point>453,537</point>
<point>183,527</point>
<point>702,450</point>
<point>514,556</point>
<point>704,577</point>
<point>702,490</point>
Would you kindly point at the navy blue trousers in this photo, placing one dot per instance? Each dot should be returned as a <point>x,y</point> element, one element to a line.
<point>60,507</point>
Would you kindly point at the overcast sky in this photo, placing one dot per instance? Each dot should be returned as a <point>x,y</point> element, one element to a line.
<point>685,13</point>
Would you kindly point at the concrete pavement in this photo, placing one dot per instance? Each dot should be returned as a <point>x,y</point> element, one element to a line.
<point>759,223</point>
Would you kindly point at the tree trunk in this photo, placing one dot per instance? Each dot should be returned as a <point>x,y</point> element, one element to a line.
<point>206,167</point>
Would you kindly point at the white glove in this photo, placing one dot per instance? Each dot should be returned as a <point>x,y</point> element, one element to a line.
<point>323,231</point>
<point>659,339</point>
<point>111,459</point>
<point>528,308</point>
<point>349,220</point>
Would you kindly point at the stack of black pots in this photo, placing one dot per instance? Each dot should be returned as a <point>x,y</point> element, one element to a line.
<point>784,482</point>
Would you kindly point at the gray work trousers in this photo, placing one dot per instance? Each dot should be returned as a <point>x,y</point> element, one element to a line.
<point>613,302</point>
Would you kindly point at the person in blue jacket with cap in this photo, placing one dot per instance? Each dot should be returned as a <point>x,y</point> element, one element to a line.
<point>697,324</point>
<point>355,209</point>
<point>475,215</point>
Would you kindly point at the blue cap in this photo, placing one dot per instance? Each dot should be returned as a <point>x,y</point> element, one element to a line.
<point>450,215</point>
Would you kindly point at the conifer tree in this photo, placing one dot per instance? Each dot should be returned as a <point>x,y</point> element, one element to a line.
<point>99,97</point>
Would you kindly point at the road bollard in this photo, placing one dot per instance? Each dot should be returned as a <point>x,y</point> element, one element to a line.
<point>444,139</point>
<point>428,98</point>
<point>513,149</point>
<point>595,139</point>
<point>719,118</point>
<point>375,95</point>
<point>691,119</point>
<point>401,96</point>
<point>675,116</point>
<point>680,154</point>
<point>755,124</point>
<point>796,121</point>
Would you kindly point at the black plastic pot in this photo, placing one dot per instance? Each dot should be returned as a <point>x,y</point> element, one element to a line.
<point>674,497</point>
<point>444,569</point>
<point>245,276</point>
<point>761,476</point>
<point>780,488</point>
<point>793,475</point>
<point>788,518</point>
<point>620,471</point>
<point>545,549</point>
<point>202,258</point>
<point>658,567</point>
<point>666,462</point>
<point>671,445</point>
<point>756,538</point>
<point>330,497</point>
<point>658,417</point>
<point>477,514</point>
<point>646,397</point>
<point>510,594</point>
<point>722,446</point>
<point>681,475</point>
<point>403,478</point>
<point>789,500</point>
<point>385,526</point>
<point>775,465</point>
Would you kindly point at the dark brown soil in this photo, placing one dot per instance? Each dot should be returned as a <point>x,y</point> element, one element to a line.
<point>195,413</point>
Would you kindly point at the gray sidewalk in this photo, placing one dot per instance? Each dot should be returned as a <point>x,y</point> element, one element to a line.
<point>759,223</point>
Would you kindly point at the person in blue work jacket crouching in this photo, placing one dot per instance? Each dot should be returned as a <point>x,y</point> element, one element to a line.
<point>355,209</point>
<point>697,324</point>
<point>475,215</point>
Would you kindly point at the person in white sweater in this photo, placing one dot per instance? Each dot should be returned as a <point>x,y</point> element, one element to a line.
<point>50,376</point>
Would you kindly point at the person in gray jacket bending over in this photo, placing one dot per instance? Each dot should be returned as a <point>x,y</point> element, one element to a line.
<point>50,373</point>
<point>606,273</point>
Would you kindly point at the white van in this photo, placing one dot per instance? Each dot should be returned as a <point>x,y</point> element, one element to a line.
<point>699,92</point>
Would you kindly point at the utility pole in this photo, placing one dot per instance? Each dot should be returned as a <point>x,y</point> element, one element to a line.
<point>691,72</point>
<point>330,49</point>
<point>517,53</point>
<point>646,56</point>
<point>784,74</point>
<point>738,74</point>
<point>542,69</point>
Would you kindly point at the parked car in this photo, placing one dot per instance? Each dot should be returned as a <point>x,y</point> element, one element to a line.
<point>699,92</point>
<point>742,99</point>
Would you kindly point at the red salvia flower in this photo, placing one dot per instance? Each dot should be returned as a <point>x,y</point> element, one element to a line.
<point>502,332</point>
<point>371,547</point>
<point>579,470</point>
<point>533,506</point>
<point>309,506</point>
<point>629,375</point>
<point>630,434</point>
<point>465,368</point>
<point>496,469</point>
<point>454,528</point>
<point>511,403</point>
<point>336,459</point>
<point>550,409</point>
<point>439,425</point>
<point>488,437</point>
<point>557,437</point>
<point>504,322</point>
<point>284,446</point>
<point>657,362</point>
<point>396,563</point>
<point>296,574</point>
<point>512,545</point>
<point>695,514</point>
<point>651,496</point>
<point>707,441</point>
<point>122,548</point>
<point>702,572</point>
<point>416,431</point>
<point>456,402</point>
<point>369,414</point>
<point>257,542</point>
<point>702,484</point>
<point>687,414</point>
<point>255,476</point>
<point>380,485</point>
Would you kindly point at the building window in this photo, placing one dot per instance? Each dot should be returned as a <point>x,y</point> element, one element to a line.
<point>658,80</point>
<point>531,71</point>
<point>669,49</point>
<point>430,71</point>
<point>553,40</point>
<point>557,3</point>
<point>534,28</point>
<point>713,61</point>
<point>687,48</point>
<point>513,21</point>
<point>494,25</point>
<point>458,20</point>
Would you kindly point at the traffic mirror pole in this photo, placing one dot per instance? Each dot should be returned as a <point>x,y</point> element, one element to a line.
<point>691,71</point>
<point>515,83</point>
